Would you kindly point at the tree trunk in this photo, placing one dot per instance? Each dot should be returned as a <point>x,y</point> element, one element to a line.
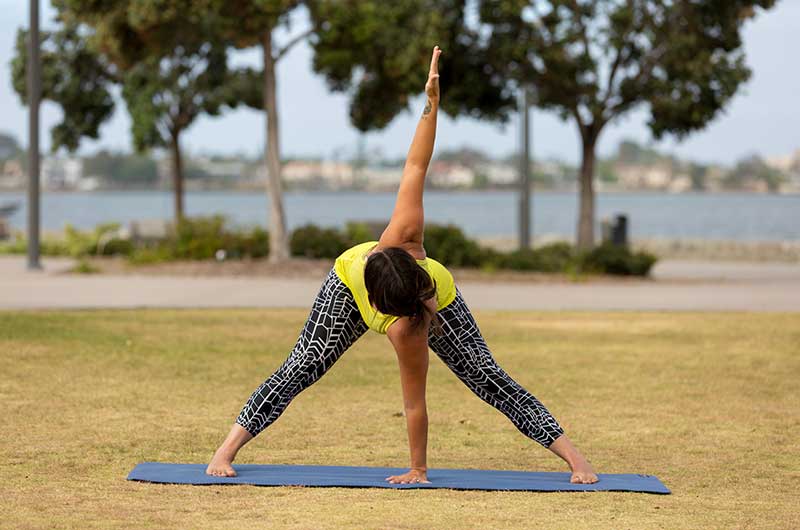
<point>278,240</point>
<point>585,240</point>
<point>177,175</point>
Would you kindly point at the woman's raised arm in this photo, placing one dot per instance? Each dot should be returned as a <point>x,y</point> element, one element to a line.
<point>407,223</point>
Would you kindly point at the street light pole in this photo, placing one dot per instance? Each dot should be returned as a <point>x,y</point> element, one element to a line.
<point>34,94</point>
<point>524,171</point>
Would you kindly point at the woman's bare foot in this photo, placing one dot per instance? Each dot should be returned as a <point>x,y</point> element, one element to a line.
<point>220,465</point>
<point>582,471</point>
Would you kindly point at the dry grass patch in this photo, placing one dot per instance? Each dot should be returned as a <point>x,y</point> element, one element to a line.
<point>708,402</point>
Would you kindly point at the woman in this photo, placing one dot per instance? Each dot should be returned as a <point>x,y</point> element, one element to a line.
<point>390,286</point>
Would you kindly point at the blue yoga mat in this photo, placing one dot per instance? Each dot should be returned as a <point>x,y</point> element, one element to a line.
<point>373,477</point>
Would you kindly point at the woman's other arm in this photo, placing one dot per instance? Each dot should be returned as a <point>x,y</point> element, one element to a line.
<point>411,346</point>
<point>407,223</point>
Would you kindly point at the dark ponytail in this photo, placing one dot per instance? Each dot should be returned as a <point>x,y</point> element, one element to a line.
<point>397,285</point>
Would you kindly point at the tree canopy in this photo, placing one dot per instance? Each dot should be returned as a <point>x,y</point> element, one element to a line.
<point>378,52</point>
<point>74,77</point>
<point>593,61</point>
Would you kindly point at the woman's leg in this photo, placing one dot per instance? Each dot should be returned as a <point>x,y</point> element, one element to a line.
<point>463,349</point>
<point>333,325</point>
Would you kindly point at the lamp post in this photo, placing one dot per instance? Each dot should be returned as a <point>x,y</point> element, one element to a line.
<point>34,93</point>
<point>524,170</point>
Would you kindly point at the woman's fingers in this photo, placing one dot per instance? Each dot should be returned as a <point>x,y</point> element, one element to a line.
<point>435,60</point>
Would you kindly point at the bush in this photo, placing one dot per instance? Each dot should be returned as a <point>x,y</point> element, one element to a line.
<point>47,246</point>
<point>449,246</point>
<point>200,238</point>
<point>115,247</point>
<point>147,256</point>
<point>253,244</point>
<point>17,245</point>
<point>99,241</point>
<point>553,257</point>
<point>84,267</point>
<point>311,241</point>
<point>611,259</point>
<point>359,233</point>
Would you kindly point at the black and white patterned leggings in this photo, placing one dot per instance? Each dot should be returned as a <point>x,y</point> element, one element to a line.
<point>335,324</point>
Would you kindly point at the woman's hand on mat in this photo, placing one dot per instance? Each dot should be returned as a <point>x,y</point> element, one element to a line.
<point>583,473</point>
<point>432,86</point>
<point>414,476</point>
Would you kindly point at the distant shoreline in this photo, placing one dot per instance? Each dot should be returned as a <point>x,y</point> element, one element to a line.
<point>743,217</point>
<point>534,190</point>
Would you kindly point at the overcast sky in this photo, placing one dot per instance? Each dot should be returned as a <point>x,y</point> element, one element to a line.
<point>763,118</point>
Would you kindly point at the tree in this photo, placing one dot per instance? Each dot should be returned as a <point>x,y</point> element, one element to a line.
<point>73,77</point>
<point>166,93</point>
<point>593,61</point>
<point>128,30</point>
<point>248,23</point>
<point>377,51</point>
<point>753,168</point>
<point>171,69</point>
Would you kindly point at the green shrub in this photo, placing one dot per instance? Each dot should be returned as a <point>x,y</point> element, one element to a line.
<point>105,241</point>
<point>115,247</point>
<point>618,260</point>
<point>448,245</point>
<point>52,247</point>
<point>48,246</point>
<point>311,241</point>
<point>17,245</point>
<point>553,257</point>
<point>78,244</point>
<point>96,242</point>
<point>201,237</point>
<point>84,267</point>
<point>359,233</point>
<point>198,238</point>
<point>149,255</point>
<point>253,243</point>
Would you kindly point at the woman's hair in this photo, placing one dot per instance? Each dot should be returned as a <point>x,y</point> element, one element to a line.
<point>398,285</point>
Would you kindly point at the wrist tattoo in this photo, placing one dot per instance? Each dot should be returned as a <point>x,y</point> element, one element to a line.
<point>428,106</point>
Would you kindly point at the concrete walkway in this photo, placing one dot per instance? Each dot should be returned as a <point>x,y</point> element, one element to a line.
<point>677,285</point>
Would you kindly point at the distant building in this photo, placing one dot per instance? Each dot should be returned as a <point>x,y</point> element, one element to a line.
<point>329,173</point>
<point>649,176</point>
<point>220,167</point>
<point>61,173</point>
<point>715,177</point>
<point>381,178</point>
<point>499,174</point>
<point>11,175</point>
<point>680,184</point>
<point>445,174</point>
<point>787,163</point>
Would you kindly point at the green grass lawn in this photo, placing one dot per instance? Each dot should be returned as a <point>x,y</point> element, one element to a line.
<point>708,402</point>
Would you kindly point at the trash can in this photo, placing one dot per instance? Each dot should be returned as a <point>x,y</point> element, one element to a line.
<point>619,231</point>
<point>614,231</point>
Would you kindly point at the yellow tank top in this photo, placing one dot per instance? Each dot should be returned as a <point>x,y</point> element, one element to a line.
<point>349,266</point>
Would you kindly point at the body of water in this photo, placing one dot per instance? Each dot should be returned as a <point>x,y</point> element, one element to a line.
<point>743,217</point>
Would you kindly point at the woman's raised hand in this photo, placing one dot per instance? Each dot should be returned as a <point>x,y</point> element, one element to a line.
<point>432,86</point>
